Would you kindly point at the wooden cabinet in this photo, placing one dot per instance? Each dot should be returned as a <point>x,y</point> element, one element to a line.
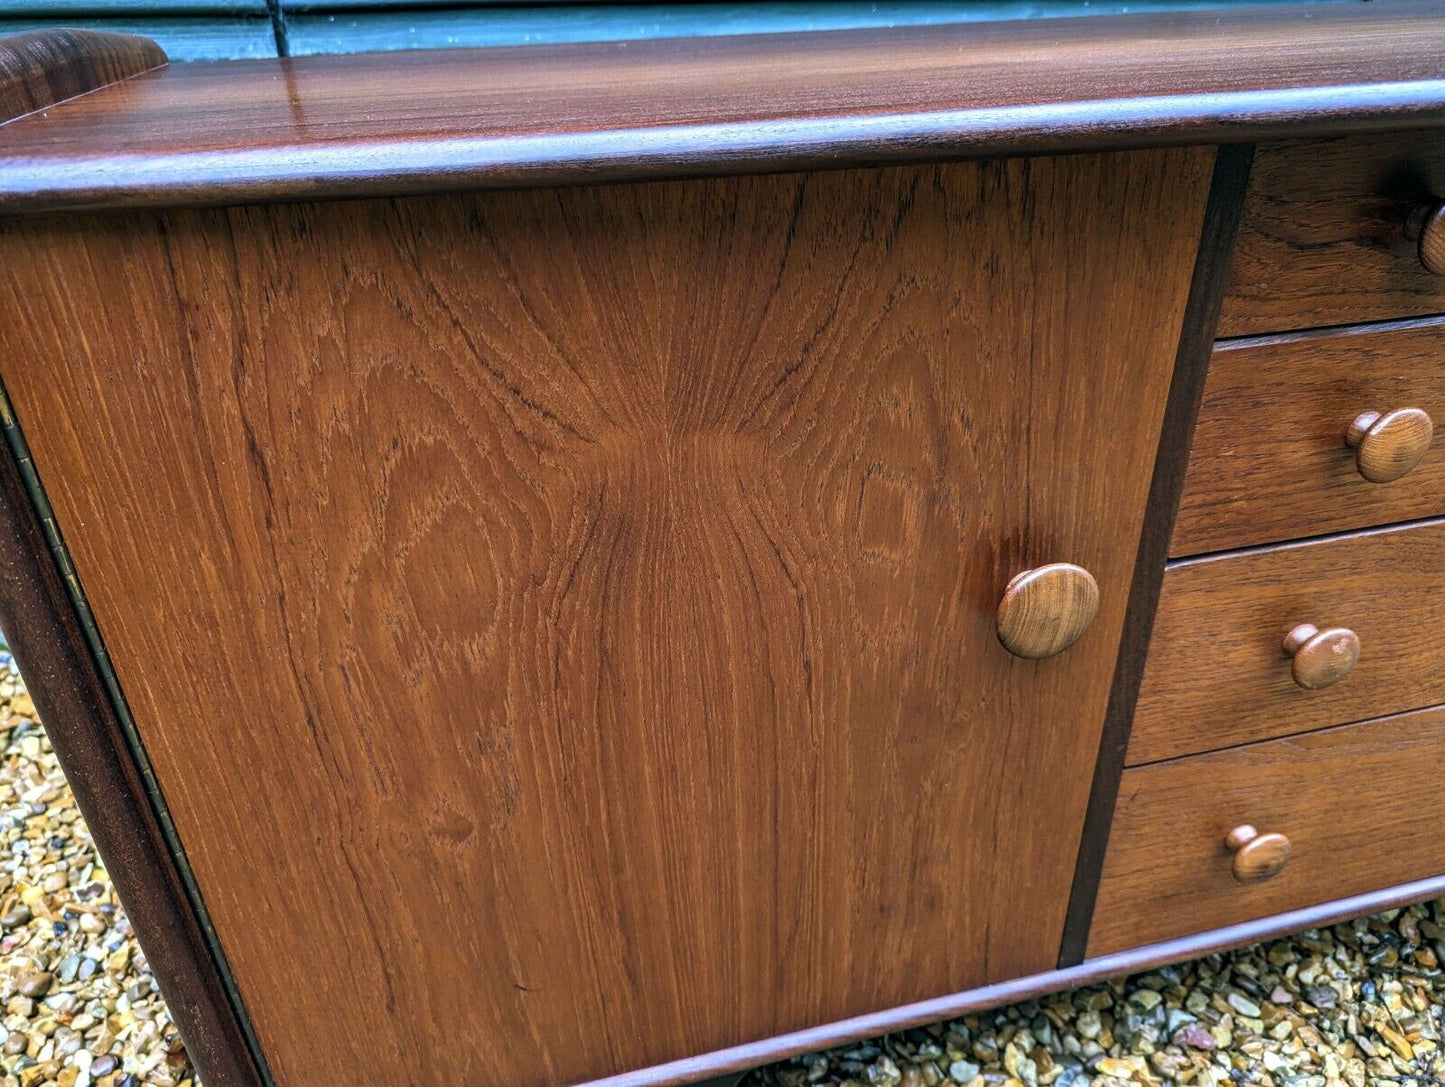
<point>618,564</point>
<point>590,595</point>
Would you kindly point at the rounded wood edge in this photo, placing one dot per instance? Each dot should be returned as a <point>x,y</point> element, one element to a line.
<point>1046,609</point>
<point>42,67</point>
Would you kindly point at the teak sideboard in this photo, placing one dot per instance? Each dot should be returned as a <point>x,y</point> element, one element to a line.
<point>618,563</point>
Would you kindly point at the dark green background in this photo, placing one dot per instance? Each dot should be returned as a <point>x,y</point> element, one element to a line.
<point>217,29</point>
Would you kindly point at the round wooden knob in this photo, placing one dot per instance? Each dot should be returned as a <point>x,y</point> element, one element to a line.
<point>1257,856</point>
<point>1321,657</point>
<point>1427,226</point>
<point>1047,609</point>
<point>1389,445</point>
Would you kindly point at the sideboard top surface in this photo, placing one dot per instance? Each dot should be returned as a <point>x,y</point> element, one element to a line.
<point>383,124</point>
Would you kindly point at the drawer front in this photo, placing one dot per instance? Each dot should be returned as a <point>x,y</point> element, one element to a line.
<point>1323,240</point>
<point>613,573</point>
<point>1270,461</point>
<point>1360,805</point>
<point>1217,673</point>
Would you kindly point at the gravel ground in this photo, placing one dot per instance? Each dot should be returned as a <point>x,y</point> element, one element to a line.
<point>81,1007</point>
<point>1362,1003</point>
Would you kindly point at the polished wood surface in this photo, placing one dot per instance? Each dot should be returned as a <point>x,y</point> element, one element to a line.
<point>1361,806</point>
<point>1326,238</point>
<point>1389,444</point>
<point>1047,609</point>
<point>1201,313</point>
<point>1270,461</point>
<point>1257,856</point>
<point>40,68</point>
<point>1320,658</point>
<point>625,615</point>
<point>1217,675</point>
<point>430,121</point>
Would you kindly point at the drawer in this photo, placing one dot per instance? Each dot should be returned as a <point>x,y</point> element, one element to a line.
<point>1360,805</point>
<point>1270,461</point>
<point>1217,673</point>
<point>1323,240</point>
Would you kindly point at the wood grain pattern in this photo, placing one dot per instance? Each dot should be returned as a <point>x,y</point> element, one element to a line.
<point>1325,238</point>
<point>40,68</point>
<point>1217,674</point>
<point>604,580</point>
<point>433,121</point>
<point>1269,461</point>
<point>1361,806</point>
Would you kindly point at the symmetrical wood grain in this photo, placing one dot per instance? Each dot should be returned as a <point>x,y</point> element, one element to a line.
<point>1326,239</point>
<point>431,121</point>
<point>1218,673</point>
<point>1270,462</point>
<point>1361,807</point>
<point>41,68</point>
<point>562,622</point>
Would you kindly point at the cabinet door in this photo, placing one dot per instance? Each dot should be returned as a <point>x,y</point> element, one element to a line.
<point>562,622</point>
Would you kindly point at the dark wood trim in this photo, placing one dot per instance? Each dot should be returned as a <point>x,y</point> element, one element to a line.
<point>1196,340</point>
<point>50,645</point>
<point>744,1057</point>
<point>390,124</point>
<point>43,67</point>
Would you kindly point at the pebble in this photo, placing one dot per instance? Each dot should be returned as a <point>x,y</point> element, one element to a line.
<point>963,1072</point>
<point>36,984</point>
<point>1243,1006</point>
